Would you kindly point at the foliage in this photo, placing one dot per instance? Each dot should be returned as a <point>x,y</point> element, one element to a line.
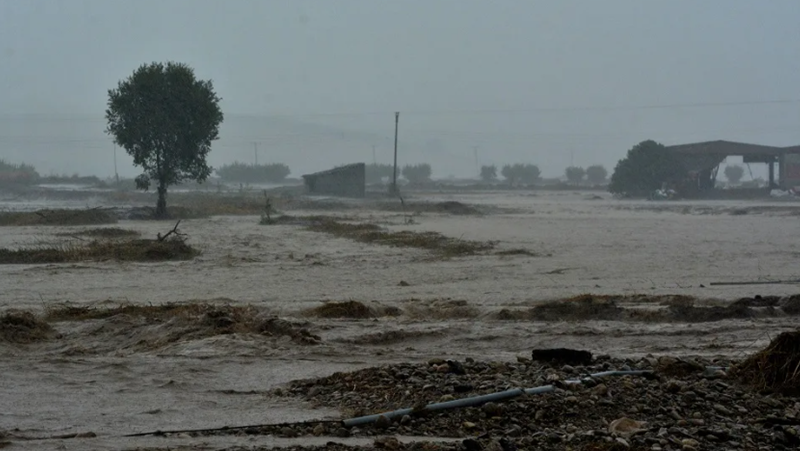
<point>596,174</point>
<point>376,172</point>
<point>253,173</point>
<point>417,173</point>
<point>647,165</point>
<point>166,119</point>
<point>575,174</point>
<point>527,174</point>
<point>489,173</point>
<point>23,174</point>
<point>734,173</point>
<point>74,179</point>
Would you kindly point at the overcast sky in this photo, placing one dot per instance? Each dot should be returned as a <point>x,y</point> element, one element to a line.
<point>546,82</point>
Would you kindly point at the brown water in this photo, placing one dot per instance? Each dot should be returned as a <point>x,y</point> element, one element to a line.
<point>95,378</point>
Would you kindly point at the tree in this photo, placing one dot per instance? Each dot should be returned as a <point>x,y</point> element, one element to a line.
<point>527,174</point>
<point>376,172</point>
<point>165,119</point>
<point>647,165</point>
<point>575,174</point>
<point>734,173</point>
<point>418,173</point>
<point>489,173</point>
<point>596,174</point>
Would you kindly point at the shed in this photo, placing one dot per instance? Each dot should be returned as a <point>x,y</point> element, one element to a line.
<point>342,181</point>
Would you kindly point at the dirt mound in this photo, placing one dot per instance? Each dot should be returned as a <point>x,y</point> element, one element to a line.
<point>583,307</point>
<point>776,368</point>
<point>347,309</point>
<point>23,327</point>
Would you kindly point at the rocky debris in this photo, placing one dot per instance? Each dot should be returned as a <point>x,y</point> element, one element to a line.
<point>689,409</point>
<point>562,355</point>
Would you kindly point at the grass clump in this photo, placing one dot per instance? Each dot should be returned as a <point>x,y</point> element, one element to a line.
<point>776,368</point>
<point>372,233</point>
<point>140,250</point>
<point>23,327</point>
<point>62,217</point>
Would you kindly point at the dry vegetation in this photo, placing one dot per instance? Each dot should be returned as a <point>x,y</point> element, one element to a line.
<point>94,216</point>
<point>776,368</point>
<point>374,234</point>
<point>140,250</point>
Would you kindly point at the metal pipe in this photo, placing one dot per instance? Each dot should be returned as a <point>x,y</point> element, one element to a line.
<point>483,399</point>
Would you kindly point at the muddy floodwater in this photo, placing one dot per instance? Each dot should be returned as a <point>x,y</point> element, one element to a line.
<point>123,374</point>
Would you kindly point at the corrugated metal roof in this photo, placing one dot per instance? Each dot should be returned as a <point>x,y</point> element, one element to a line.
<point>730,148</point>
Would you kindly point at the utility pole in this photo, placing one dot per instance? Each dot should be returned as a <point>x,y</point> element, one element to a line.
<point>396,127</point>
<point>255,151</point>
<point>116,174</point>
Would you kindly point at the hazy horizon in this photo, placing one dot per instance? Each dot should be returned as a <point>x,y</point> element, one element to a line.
<point>315,83</point>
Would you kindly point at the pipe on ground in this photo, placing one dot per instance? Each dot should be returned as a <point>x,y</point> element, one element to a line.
<point>483,399</point>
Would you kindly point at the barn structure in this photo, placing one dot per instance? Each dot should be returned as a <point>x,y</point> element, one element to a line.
<point>343,181</point>
<point>703,160</point>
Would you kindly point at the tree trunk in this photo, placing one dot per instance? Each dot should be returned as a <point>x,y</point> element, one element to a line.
<point>161,206</point>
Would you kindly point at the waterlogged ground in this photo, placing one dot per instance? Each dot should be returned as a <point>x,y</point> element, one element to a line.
<point>126,374</point>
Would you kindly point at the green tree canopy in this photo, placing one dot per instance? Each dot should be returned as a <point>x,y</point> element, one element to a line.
<point>527,174</point>
<point>417,173</point>
<point>166,119</point>
<point>596,174</point>
<point>734,173</point>
<point>647,165</point>
<point>375,172</point>
<point>575,174</point>
<point>489,173</point>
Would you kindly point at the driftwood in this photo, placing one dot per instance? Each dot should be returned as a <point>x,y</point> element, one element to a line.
<point>174,231</point>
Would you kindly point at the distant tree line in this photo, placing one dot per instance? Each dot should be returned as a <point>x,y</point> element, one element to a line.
<point>253,173</point>
<point>22,174</point>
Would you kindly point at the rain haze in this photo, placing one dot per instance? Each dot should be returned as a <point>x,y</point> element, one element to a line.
<point>595,206</point>
<point>315,83</point>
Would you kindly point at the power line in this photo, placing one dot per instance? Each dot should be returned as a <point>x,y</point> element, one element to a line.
<point>265,115</point>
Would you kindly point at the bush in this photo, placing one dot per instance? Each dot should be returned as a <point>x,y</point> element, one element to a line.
<point>418,173</point>
<point>527,174</point>
<point>646,167</point>
<point>253,173</point>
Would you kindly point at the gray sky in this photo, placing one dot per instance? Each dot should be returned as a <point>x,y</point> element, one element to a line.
<point>316,82</point>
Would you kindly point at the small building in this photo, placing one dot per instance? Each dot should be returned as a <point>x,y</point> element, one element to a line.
<point>343,181</point>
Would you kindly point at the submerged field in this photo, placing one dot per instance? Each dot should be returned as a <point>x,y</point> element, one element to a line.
<point>115,346</point>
